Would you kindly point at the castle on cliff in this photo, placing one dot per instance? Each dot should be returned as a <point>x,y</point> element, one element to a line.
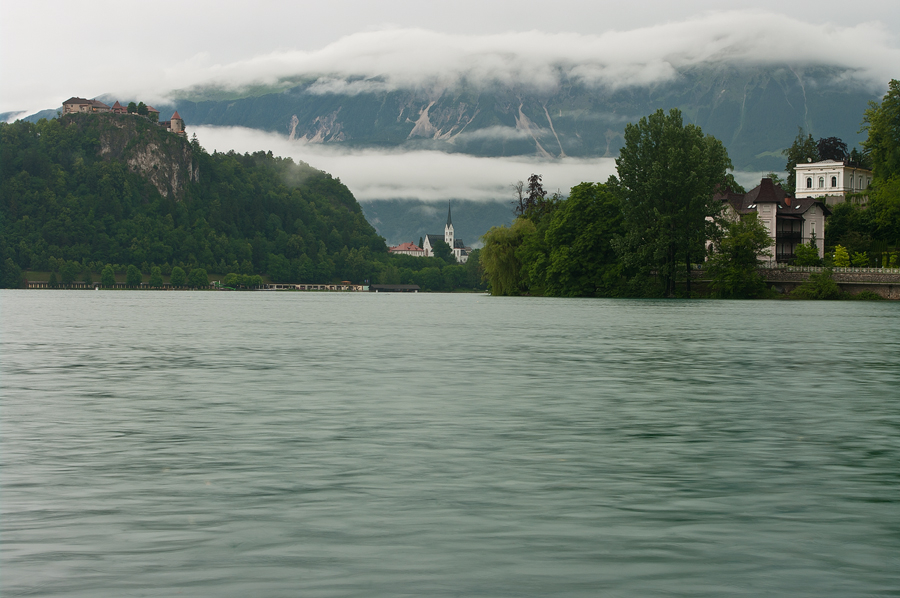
<point>82,105</point>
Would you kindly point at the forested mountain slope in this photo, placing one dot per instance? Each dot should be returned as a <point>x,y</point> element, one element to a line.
<point>117,189</point>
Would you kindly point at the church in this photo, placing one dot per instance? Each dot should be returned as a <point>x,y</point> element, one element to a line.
<point>460,251</point>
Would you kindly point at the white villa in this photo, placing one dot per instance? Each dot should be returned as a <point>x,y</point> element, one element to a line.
<point>831,181</point>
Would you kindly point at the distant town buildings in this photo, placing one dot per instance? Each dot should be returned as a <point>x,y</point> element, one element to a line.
<point>832,181</point>
<point>459,249</point>
<point>82,105</point>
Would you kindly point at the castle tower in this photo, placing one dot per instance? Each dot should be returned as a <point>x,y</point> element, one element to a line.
<point>176,124</point>
<point>448,229</point>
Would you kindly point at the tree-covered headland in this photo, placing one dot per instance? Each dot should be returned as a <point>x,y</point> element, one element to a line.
<point>88,195</point>
<point>641,232</point>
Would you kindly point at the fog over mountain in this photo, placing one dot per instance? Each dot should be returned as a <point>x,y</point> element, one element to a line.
<point>410,102</point>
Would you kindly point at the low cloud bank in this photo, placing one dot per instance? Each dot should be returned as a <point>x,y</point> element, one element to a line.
<point>424,175</point>
<point>398,58</point>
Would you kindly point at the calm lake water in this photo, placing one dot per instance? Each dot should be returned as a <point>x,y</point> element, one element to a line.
<point>302,444</point>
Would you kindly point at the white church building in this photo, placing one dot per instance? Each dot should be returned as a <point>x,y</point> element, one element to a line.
<point>460,251</point>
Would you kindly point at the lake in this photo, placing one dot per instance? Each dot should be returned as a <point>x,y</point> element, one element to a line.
<point>324,444</point>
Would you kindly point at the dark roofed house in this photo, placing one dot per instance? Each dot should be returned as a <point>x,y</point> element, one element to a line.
<point>788,220</point>
<point>118,108</point>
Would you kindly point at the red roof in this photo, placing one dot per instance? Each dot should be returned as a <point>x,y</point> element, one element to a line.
<point>406,247</point>
<point>174,116</point>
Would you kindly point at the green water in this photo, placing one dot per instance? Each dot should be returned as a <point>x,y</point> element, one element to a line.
<point>303,444</point>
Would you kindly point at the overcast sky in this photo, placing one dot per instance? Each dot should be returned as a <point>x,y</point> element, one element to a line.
<point>50,50</point>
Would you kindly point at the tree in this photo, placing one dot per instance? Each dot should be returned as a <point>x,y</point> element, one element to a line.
<point>198,279</point>
<point>87,277</point>
<point>734,264</point>
<point>803,149</point>
<point>668,173</point>
<point>807,254</point>
<point>819,286</point>
<point>52,282</point>
<point>11,276</point>
<point>133,276</point>
<point>882,124</point>
<point>442,250</point>
<point>156,279</point>
<point>832,148</point>
<point>142,109</point>
<point>68,271</point>
<point>178,277</point>
<point>108,276</point>
<point>132,108</point>
<point>777,179</point>
<point>582,261</point>
<point>498,256</point>
<point>841,257</point>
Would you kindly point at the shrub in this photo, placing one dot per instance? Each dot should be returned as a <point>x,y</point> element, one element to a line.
<point>867,296</point>
<point>819,286</point>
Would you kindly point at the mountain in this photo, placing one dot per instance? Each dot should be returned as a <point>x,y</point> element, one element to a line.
<point>401,220</point>
<point>755,111</point>
<point>97,189</point>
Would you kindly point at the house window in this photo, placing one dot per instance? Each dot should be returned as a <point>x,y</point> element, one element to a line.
<point>834,181</point>
<point>809,182</point>
<point>821,182</point>
<point>851,182</point>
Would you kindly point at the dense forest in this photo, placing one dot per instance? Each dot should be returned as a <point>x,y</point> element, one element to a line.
<point>92,192</point>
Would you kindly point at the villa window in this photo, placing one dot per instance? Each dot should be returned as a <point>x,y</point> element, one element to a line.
<point>809,182</point>
<point>851,182</point>
<point>821,182</point>
<point>834,181</point>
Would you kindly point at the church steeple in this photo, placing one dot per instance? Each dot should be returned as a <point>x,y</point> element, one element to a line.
<point>448,229</point>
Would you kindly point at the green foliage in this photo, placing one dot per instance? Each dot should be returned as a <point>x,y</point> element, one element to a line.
<point>803,149</point>
<point>108,276</point>
<point>87,277</point>
<point>60,199</point>
<point>142,109</point>
<point>807,254</point>
<point>443,251</point>
<point>231,280</point>
<point>867,296</point>
<point>841,257</point>
<point>178,277</point>
<point>860,260</point>
<point>52,281</point>
<point>778,180</point>
<point>498,256</point>
<point>819,286</point>
<point>133,276</point>
<point>882,124</point>
<point>156,279</point>
<point>668,173</point>
<point>582,261</point>
<point>198,279</point>
<point>733,267</point>
<point>68,272</point>
<point>11,276</point>
<point>132,108</point>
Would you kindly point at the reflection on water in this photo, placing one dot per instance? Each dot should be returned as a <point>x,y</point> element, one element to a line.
<point>285,444</point>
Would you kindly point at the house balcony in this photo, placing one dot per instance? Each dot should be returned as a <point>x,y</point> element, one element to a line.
<point>788,235</point>
<point>784,257</point>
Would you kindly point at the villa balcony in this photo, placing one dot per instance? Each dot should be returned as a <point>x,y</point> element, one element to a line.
<point>788,235</point>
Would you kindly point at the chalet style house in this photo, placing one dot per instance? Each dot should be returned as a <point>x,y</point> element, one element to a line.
<point>460,251</point>
<point>81,105</point>
<point>790,221</point>
<point>832,181</point>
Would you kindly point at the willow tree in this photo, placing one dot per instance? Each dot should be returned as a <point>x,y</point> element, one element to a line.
<point>668,173</point>
<point>501,265</point>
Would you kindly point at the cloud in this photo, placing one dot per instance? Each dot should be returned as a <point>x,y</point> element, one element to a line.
<point>496,133</point>
<point>425,175</point>
<point>401,58</point>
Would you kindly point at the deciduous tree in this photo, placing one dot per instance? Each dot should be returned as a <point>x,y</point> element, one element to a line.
<point>734,264</point>
<point>668,172</point>
<point>803,149</point>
